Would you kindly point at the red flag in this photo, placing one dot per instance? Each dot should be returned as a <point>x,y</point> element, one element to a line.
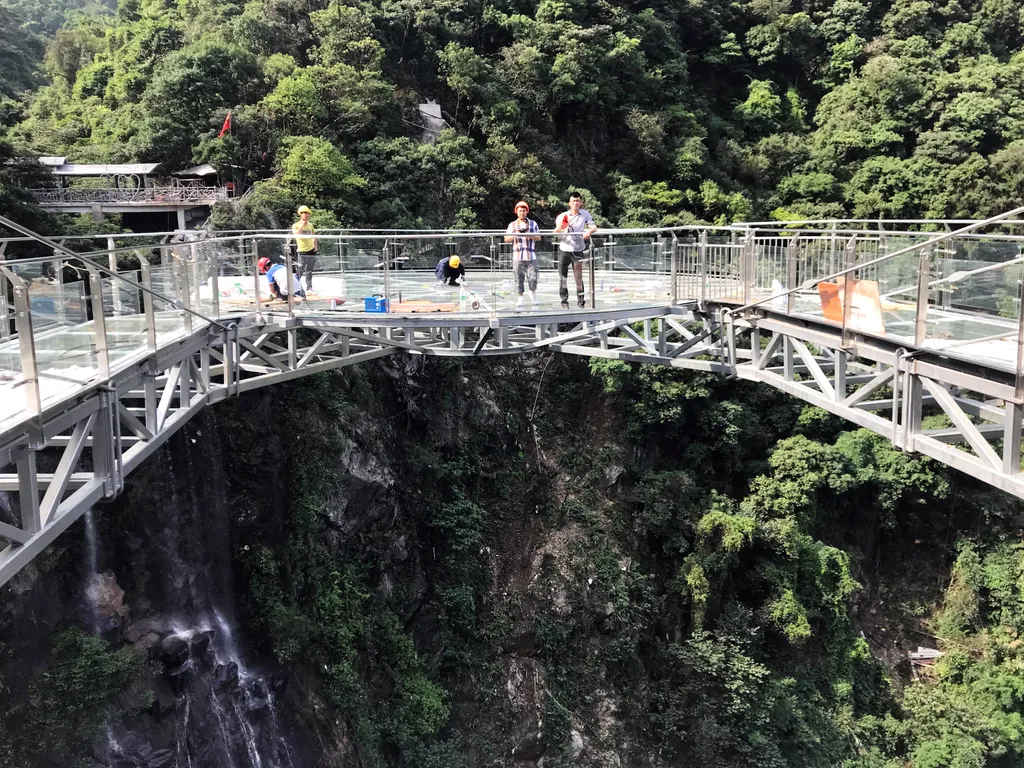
<point>227,126</point>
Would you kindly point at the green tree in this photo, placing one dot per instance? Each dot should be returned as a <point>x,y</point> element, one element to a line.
<point>190,91</point>
<point>315,171</point>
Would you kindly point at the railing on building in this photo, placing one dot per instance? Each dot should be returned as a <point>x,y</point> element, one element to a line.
<point>171,195</point>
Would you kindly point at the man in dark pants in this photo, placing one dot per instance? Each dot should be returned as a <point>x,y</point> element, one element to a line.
<point>305,245</point>
<point>578,226</point>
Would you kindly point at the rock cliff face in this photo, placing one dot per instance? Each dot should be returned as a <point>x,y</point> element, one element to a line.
<point>455,565</point>
<point>167,569</point>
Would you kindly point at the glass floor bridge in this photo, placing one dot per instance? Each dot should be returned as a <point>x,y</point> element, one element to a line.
<point>108,347</point>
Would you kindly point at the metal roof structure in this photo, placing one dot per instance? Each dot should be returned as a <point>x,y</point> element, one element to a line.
<point>197,170</point>
<point>110,169</point>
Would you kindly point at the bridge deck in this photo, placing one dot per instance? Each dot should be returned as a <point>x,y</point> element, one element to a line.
<point>106,369</point>
<point>68,361</point>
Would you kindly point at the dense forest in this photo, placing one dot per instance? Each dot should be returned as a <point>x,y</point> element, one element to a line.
<point>662,112</point>
<point>599,565</point>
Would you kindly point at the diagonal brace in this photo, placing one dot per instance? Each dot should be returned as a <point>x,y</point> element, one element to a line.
<point>315,349</point>
<point>875,384</point>
<point>814,368</point>
<point>268,359</point>
<point>970,432</point>
<point>129,420</point>
<point>68,460</point>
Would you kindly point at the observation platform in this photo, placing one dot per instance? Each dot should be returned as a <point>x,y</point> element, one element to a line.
<point>127,188</point>
<point>881,325</point>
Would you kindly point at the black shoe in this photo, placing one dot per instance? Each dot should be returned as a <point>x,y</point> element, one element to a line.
<point>565,305</point>
<point>581,302</point>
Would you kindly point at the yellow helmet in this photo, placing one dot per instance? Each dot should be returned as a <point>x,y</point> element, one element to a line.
<point>304,209</point>
<point>455,261</point>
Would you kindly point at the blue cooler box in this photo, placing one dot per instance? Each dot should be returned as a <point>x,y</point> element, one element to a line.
<point>375,304</point>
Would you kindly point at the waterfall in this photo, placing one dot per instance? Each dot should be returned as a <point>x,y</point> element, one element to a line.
<point>257,695</point>
<point>220,704</point>
<point>90,567</point>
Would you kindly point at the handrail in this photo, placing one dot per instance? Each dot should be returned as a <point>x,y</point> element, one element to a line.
<point>869,234</point>
<point>468,232</point>
<point>739,226</point>
<point>101,268</point>
<point>462,234</point>
<point>877,222</point>
<point>336,233</point>
<point>363,236</point>
<point>807,284</point>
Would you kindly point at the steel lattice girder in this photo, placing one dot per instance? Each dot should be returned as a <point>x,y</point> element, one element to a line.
<point>868,381</point>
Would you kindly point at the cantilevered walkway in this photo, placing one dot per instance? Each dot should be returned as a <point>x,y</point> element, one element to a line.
<point>108,347</point>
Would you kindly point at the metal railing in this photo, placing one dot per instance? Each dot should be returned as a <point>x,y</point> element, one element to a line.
<point>115,195</point>
<point>951,291</point>
<point>72,334</point>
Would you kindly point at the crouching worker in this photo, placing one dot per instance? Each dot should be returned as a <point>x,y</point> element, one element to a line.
<point>450,271</point>
<point>277,280</point>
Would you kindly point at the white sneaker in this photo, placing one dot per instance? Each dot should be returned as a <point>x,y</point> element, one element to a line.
<point>536,301</point>
<point>519,304</point>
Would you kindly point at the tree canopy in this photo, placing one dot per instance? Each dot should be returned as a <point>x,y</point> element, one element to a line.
<point>667,113</point>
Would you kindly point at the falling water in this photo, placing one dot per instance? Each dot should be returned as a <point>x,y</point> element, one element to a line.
<point>256,695</point>
<point>182,746</point>
<point>91,572</point>
<point>222,707</point>
<point>93,595</point>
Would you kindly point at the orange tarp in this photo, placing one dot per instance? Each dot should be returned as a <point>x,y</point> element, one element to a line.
<point>865,305</point>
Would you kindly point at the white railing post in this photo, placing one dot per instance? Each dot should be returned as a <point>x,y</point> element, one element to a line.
<point>792,263</point>
<point>214,272</point>
<point>921,309</point>
<point>256,279</point>
<point>26,342</point>
<point>5,312</point>
<point>675,269</point>
<point>147,303</point>
<point>99,324</point>
<point>702,268</point>
<point>112,263</point>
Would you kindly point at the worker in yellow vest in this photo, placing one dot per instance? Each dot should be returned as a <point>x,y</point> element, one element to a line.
<point>305,244</point>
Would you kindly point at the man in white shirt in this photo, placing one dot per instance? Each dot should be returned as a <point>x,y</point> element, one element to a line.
<point>578,225</point>
<point>524,252</point>
<point>278,283</point>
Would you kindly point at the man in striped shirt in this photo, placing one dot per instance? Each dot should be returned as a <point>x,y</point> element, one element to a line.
<point>524,251</point>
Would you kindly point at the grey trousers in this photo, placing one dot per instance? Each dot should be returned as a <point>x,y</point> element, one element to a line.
<point>305,266</point>
<point>526,272</point>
